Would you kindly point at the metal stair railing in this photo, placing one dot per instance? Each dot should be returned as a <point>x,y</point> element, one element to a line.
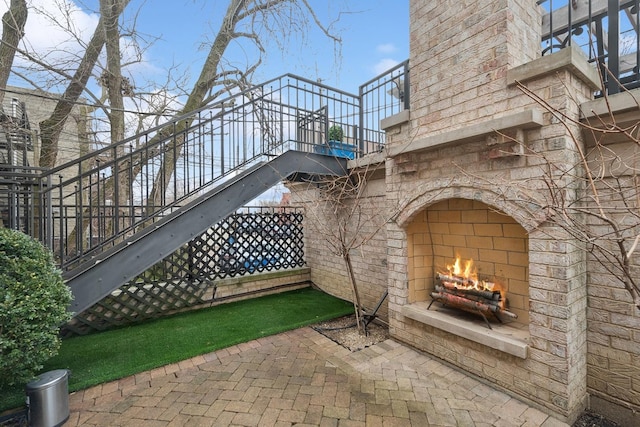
<point>81,208</point>
<point>96,278</point>
<point>95,202</point>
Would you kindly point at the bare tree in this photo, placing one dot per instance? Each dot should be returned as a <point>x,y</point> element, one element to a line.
<point>604,216</point>
<point>51,128</point>
<point>592,193</point>
<point>255,20</point>
<point>347,216</point>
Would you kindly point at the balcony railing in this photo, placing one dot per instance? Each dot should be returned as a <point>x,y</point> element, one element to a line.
<point>382,97</point>
<point>606,30</point>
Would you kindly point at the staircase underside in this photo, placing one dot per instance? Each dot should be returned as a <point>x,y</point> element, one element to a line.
<point>98,277</point>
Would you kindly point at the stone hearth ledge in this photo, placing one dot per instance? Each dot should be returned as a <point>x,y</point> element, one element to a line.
<point>502,337</point>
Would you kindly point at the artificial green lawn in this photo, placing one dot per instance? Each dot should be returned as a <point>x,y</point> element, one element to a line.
<point>114,354</point>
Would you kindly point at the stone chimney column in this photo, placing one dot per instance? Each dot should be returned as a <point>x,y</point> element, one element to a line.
<point>460,51</point>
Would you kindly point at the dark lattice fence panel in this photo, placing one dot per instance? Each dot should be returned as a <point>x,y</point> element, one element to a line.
<point>258,240</point>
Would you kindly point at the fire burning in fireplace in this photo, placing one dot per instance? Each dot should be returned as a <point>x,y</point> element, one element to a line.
<point>459,287</point>
<point>468,276</point>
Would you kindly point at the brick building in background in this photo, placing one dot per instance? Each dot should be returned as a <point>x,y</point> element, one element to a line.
<point>23,110</point>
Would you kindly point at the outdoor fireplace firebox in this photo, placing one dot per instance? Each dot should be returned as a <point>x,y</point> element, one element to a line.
<point>459,288</point>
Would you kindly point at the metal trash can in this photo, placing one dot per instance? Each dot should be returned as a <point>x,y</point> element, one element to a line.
<point>48,399</point>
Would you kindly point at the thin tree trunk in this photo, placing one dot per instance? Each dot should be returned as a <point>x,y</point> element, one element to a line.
<point>51,128</point>
<point>13,22</point>
<point>110,11</point>
<point>202,87</point>
<point>357,307</point>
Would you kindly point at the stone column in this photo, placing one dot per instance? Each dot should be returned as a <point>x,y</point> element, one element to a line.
<point>461,55</point>
<point>460,52</point>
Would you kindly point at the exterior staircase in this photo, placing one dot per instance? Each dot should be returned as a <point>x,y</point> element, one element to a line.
<point>116,212</point>
<point>97,277</point>
<point>112,214</point>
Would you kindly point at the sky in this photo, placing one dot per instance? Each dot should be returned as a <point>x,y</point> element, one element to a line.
<point>374,37</point>
<point>374,34</point>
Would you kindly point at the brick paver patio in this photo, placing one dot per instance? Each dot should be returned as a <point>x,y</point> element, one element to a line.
<point>303,378</point>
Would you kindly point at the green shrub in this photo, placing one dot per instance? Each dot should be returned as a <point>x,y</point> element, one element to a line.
<point>33,305</point>
<point>335,133</point>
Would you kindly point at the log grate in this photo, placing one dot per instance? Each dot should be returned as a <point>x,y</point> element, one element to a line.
<point>464,294</point>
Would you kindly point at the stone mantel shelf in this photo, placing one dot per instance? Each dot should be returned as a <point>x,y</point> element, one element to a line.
<point>570,58</point>
<point>527,119</point>
<point>503,337</point>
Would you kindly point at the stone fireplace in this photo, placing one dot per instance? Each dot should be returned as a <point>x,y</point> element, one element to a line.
<point>464,175</point>
<point>490,241</point>
<point>540,355</point>
<point>460,175</point>
<point>495,244</point>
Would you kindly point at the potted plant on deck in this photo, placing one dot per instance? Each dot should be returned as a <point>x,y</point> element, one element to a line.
<point>337,147</point>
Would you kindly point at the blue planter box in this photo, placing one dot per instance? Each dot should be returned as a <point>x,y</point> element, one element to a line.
<point>337,149</point>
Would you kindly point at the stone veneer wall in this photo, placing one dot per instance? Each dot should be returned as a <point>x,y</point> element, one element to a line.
<point>266,283</point>
<point>613,339</point>
<point>613,334</point>
<point>461,59</point>
<point>460,53</point>
<point>369,261</point>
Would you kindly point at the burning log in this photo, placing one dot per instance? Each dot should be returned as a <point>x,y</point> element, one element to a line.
<point>508,313</point>
<point>461,289</point>
<point>455,279</point>
<point>470,295</point>
<point>465,303</point>
<point>466,282</point>
<point>490,295</point>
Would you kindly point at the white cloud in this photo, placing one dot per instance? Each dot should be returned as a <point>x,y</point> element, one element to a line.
<point>386,48</point>
<point>49,23</point>
<point>57,32</point>
<point>384,65</point>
